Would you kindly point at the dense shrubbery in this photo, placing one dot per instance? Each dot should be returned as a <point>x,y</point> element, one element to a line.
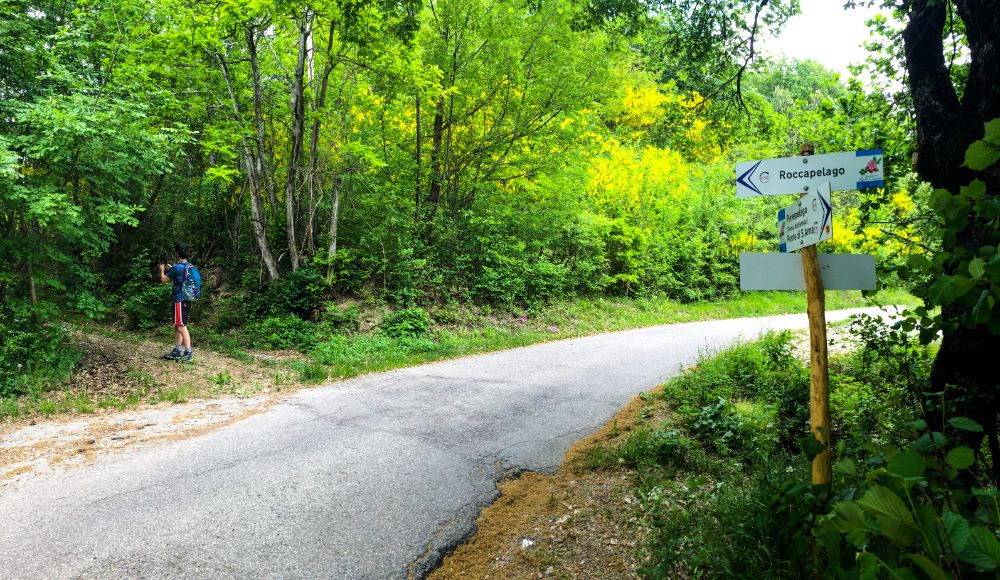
<point>286,332</point>
<point>728,495</point>
<point>144,302</point>
<point>409,322</point>
<point>30,353</point>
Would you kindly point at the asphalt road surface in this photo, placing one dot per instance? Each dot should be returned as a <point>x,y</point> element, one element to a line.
<point>374,477</point>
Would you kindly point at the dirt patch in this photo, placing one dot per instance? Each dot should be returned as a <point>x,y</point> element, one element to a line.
<point>575,523</point>
<point>36,449</point>
<point>77,422</point>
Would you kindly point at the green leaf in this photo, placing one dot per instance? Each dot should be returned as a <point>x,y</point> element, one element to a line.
<point>956,529</point>
<point>883,501</point>
<point>940,200</point>
<point>908,465</point>
<point>983,549</point>
<point>965,424</point>
<point>930,568</point>
<point>981,155</point>
<point>850,511</point>
<point>974,190</point>
<point>981,311</point>
<point>846,467</point>
<point>977,267</point>
<point>918,262</point>
<point>927,519</point>
<point>896,530</point>
<point>868,564</point>
<point>992,131</point>
<point>942,291</point>
<point>960,458</point>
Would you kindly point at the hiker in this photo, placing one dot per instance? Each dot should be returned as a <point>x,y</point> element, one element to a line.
<point>187,286</point>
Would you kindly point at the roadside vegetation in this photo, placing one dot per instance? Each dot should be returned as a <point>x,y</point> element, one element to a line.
<point>716,465</point>
<point>115,367</point>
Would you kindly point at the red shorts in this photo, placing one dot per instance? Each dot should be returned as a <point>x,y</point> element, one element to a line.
<point>181,312</point>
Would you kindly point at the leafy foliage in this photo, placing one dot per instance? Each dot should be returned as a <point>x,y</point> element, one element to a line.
<point>409,322</point>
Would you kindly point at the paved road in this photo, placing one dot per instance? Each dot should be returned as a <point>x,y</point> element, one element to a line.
<point>368,478</point>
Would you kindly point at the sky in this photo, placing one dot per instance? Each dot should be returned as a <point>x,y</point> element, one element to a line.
<point>824,32</point>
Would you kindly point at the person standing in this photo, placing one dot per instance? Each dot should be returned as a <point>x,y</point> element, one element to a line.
<point>176,274</point>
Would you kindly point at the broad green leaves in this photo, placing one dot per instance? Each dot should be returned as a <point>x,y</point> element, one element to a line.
<point>918,514</point>
<point>985,152</point>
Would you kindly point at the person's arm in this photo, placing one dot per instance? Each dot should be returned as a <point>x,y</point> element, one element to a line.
<point>163,275</point>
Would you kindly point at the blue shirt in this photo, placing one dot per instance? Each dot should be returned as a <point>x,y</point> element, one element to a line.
<point>176,274</point>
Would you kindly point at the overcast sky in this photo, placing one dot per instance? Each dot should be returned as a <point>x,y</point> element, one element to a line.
<point>824,32</point>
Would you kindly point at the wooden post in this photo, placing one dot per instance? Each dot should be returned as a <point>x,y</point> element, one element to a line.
<point>819,377</point>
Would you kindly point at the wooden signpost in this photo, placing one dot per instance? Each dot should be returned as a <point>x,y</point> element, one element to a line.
<point>819,272</point>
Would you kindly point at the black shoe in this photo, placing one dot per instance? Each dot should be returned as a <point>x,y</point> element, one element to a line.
<point>173,355</point>
<point>186,357</point>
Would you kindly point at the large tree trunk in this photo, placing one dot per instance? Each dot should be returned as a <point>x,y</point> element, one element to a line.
<point>298,110</point>
<point>946,126</point>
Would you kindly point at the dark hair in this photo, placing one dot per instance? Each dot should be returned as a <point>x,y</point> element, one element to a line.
<point>182,250</point>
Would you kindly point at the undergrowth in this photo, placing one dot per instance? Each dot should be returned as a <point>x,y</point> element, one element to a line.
<point>724,481</point>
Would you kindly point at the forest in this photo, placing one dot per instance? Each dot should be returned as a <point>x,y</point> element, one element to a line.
<point>382,170</point>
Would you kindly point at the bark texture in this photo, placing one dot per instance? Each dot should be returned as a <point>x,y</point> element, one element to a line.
<point>948,122</point>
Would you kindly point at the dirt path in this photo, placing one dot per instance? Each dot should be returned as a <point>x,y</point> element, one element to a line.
<point>124,394</point>
<point>574,523</point>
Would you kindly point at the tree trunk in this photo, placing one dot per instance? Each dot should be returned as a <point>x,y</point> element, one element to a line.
<point>437,142</point>
<point>298,110</point>
<point>262,159</point>
<point>253,182</point>
<point>335,209</point>
<point>946,126</point>
<point>417,156</point>
<point>314,174</point>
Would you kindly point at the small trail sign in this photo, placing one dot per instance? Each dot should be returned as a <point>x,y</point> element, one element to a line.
<point>846,170</point>
<point>806,222</point>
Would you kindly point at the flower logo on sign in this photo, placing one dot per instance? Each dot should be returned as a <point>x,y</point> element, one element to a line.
<point>872,167</point>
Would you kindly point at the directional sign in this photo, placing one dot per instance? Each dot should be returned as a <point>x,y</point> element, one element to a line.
<point>784,271</point>
<point>806,222</point>
<point>849,170</point>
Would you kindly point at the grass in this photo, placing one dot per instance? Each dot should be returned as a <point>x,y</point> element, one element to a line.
<point>223,378</point>
<point>459,332</point>
<point>360,354</point>
<point>175,395</point>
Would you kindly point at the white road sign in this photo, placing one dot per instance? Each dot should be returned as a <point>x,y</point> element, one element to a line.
<point>784,271</point>
<point>848,170</point>
<point>806,222</point>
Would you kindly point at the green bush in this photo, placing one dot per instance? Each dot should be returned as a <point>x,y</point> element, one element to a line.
<point>409,322</point>
<point>286,332</point>
<point>341,320</point>
<point>30,352</point>
<point>649,447</point>
<point>765,373</point>
<point>705,528</point>
<point>143,300</point>
<point>348,355</point>
<point>301,292</point>
<point>927,507</point>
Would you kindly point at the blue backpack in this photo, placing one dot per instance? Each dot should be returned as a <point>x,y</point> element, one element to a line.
<point>191,284</point>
